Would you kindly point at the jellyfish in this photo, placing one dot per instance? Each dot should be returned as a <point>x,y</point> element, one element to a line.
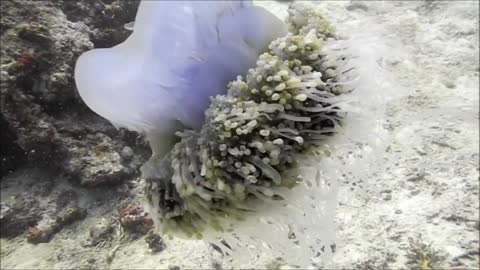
<point>254,168</point>
<point>179,55</point>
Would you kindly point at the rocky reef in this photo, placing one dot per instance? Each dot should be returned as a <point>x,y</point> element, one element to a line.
<point>42,119</point>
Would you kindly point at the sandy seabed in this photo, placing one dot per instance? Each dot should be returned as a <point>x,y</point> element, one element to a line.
<point>428,189</point>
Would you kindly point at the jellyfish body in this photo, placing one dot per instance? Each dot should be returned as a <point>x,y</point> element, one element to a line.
<point>179,54</point>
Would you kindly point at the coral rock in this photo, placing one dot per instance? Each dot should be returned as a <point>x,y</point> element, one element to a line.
<point>96,161</point>
<point>135,220</point>
<point>155,242</point>
<point>40,42</point>
<point>14,220</point>
<point>36,236</point>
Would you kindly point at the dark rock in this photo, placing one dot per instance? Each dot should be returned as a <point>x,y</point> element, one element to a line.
<point>37,236</point>
<point>17,217</point>
<point>58,214</point>
<point>106,20</point>
<point>134,220</point>
<point>70,214</point>
<point>23,202</point>
<point>11,154</point>
<point>42,118</point>
<point>155,242</point>
<point>96,162</point>
<point>65,198</point>
<point>44,232</point>
<point>54,43</point>
<point>35,33</point>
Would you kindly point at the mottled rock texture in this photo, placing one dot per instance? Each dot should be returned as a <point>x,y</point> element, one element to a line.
<point>43,120</point>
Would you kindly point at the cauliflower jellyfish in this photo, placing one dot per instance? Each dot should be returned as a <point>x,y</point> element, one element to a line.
<point>257,172</point>
<point>179,55</point>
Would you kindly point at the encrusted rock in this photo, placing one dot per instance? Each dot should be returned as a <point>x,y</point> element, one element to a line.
<point>41,41</point>
<point>134,220</point>
<point>36,235</point>
<point>106,19</point>
<point>155,242</point>
<point>96,161</point>
<point>46,229</point>
<point>17,216</point>
<point>70,214</point>
<point>67,212</point>
<point>11,153</point>
<point>35,33</point>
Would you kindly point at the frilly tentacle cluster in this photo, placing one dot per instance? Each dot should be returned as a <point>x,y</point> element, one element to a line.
<point>302,18</point>
<point>251,135</point>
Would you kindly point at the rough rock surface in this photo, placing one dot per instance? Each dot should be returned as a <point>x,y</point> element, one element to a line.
<point>43,212</point>
<point>44,120</point>
<point>105,19</point>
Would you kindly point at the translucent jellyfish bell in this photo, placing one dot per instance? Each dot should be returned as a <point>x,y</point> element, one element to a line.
<point>179,54</point>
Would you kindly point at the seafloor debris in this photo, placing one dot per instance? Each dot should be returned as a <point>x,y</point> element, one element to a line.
<point>43,232</point>
<point>251,135</point>
<point>15,218</point>
<point>70,214</point>
<point>35,33</point>
<point>65,211</point>
<point>36,235</point>
<point>135,220</point>
<point>155,242</point>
